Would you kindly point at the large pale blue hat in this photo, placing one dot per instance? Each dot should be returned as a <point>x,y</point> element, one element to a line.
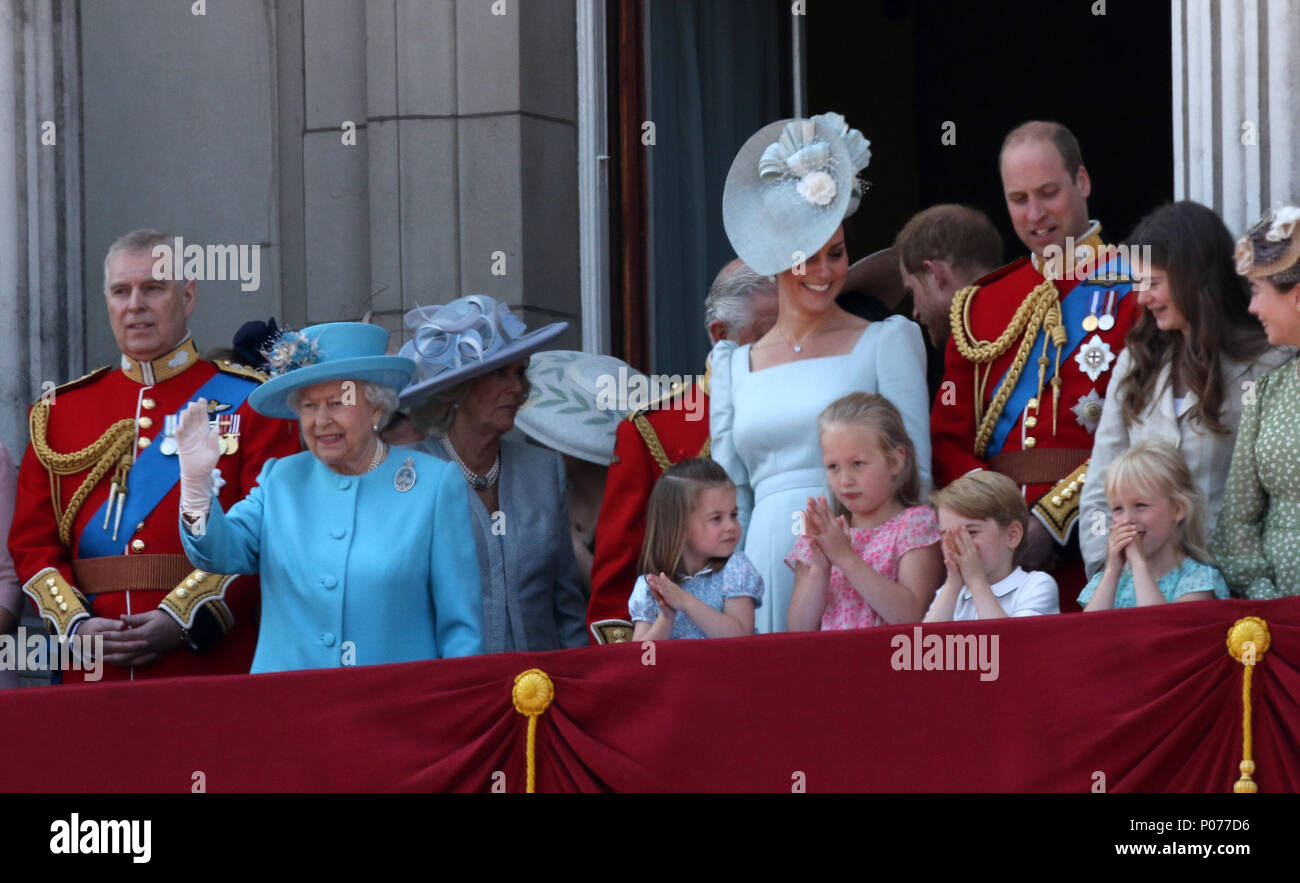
<point>462,339</point>
<point>792,183</point>
<point>319,353</point>
<point>575,405</point>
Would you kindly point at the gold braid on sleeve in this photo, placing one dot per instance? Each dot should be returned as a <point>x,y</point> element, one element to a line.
<point>1041,309</point>
<point>112,450</point>
<point>651,439</point>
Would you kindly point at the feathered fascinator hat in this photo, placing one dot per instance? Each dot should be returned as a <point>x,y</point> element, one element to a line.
<point>1271,249</point>
<point>791,185</point>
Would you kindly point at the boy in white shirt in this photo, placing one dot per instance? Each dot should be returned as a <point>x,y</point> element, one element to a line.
<point>984,519</point>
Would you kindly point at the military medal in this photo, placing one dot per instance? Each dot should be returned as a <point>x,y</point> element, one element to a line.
<point>1087,411</point>
<point>1107,321</point>
<point>1094,357</point>
<point>230,438</point>
<point>1090,322</point>
<point>168,445</point>
<point>404,480</point>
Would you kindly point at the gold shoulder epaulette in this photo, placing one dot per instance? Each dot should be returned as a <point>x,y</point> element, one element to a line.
<point>225,366</point>
<point>677,390</point>
<point>82,380</point>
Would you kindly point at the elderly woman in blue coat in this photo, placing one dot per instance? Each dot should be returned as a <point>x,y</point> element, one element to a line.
<point>364,552</point>
<point>471,356</point>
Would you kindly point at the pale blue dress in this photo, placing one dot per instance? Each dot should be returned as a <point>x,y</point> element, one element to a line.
<point>764,433</point>
<point>737,579</point>
<point>1190,576</point>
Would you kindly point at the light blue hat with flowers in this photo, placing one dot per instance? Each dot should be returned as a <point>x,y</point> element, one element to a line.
<point>792,183</point>
<point>319,353</point>
<point>462,339</point>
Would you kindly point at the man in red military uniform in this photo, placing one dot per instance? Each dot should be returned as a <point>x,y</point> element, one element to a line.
<point>1028,362</point>
<point>95,536</point>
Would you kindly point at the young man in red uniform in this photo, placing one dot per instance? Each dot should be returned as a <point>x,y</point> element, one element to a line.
<point>1032,344</point>
<point>95,536</point>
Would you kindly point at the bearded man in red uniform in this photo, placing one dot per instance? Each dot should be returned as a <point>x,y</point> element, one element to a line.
<point>95,536</point>
<point>1028,362</point>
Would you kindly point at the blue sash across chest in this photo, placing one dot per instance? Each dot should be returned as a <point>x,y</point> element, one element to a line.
<point>1074,307</point>
<point>153,475</point>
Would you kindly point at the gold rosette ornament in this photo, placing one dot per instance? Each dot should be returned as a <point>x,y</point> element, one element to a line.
<point>1248,641</point>
<point>532,695</point>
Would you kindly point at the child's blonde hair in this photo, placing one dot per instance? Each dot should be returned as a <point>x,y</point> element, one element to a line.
<point>672,501</point>
<point>858,409</point>
<point>987,494</point>
<point>1158,469</point>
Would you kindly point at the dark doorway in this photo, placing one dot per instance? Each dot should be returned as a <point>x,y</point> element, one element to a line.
<point>901,71</point>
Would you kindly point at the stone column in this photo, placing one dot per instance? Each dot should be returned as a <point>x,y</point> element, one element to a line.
<point>40,216</point>
<point>1236,79</point>
<point>463,174</point>
<point>40,207</point>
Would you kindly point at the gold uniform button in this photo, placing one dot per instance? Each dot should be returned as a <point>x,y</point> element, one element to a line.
<point>198,574</point>
<point>1030,442</point>
<point>1031,422</point>
<point>64,607</point>
<point>1056,501</point>
<point>148,404</point>
<point>145,423</point>
<point>189,584</point>
<point>182,593</point>
<point>137,545</point>
<point>143,442</point>
<point>51,581</point>
<point>1033,404</point>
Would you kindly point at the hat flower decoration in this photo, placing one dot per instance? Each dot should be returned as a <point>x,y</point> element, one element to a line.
<point>464,338</point>
<point>289,351</point>
<point>1279,226</point>
<point>790,186</point>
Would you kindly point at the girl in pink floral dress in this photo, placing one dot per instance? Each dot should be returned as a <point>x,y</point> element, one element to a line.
<point>873,557</point>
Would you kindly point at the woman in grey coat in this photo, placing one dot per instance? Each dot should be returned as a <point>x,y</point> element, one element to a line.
<point>471,356</point>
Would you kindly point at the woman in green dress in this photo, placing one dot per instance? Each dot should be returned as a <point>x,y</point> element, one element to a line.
<point>1257,542</point>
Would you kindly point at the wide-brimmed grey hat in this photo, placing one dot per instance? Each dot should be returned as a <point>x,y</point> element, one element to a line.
<point>574,406</point>
<point>790,186</point>
<point>462,339</point>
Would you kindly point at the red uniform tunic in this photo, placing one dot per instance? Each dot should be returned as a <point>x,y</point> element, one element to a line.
<point>80,414</point>
<point>1047,458</point>
<point>647,443</point>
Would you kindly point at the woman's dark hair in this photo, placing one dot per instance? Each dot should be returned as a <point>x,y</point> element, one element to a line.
<point>1195,250</point>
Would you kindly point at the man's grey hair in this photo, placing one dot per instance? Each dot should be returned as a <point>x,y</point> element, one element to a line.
<point>130,243</point>
<point>731,295</point>
<point>381,397</point>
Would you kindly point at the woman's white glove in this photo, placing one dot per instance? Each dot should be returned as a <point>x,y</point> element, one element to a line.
<point>198,447</point>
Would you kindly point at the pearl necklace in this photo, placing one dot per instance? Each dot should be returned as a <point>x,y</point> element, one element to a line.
<point>478,482</point>
<point>378,458</point>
